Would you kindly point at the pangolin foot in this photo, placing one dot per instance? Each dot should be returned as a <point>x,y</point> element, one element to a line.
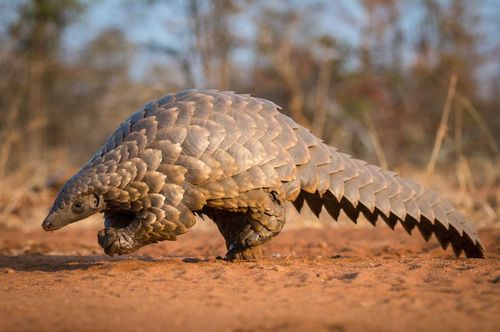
<point>116,241</point>
<point>244,254</point>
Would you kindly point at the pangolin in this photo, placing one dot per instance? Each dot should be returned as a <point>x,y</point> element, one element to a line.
<point>236,159</point>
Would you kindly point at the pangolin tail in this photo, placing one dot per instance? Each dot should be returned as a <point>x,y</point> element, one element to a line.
<point>356,187</point>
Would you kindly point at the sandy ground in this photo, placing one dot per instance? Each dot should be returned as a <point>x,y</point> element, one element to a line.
<point>326,279</point>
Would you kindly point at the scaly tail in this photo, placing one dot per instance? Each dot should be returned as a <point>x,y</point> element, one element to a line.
<point>340,182</point>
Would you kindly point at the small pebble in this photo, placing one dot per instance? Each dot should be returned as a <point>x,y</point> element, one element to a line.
<point>322,276</point>
<point>8,270</point>
<point>349,276</point>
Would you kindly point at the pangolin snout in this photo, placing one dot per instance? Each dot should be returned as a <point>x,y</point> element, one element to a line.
<point>49,224</point>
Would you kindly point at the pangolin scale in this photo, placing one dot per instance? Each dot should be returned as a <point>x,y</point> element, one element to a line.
<point>237,159</point>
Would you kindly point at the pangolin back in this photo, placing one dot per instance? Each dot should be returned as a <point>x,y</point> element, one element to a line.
<point>199,149</point>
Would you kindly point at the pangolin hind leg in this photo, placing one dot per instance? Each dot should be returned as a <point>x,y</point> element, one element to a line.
<point>242,242</point>
<point>246,230</point>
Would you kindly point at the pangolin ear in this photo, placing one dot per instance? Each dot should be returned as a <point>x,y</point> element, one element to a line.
<point>96,202</point>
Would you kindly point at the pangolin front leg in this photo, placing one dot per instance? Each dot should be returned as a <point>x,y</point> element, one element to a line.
<point>123,234</point>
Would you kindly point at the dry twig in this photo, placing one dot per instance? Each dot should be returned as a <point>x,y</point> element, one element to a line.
<point>442,127</point>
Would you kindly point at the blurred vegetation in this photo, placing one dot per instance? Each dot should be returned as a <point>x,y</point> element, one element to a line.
<point>368,76</point>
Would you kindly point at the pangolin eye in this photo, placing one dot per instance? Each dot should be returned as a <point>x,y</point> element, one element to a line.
<point>77,207</point>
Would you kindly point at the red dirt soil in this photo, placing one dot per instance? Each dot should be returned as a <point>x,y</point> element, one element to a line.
<point>327,279</point>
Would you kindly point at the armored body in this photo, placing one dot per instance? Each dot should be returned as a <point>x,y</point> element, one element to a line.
<point>236,159</point>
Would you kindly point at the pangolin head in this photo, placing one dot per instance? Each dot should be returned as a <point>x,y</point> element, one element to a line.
<point>75,201</point>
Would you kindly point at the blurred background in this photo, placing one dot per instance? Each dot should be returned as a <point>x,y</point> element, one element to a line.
<point>410,85</point>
